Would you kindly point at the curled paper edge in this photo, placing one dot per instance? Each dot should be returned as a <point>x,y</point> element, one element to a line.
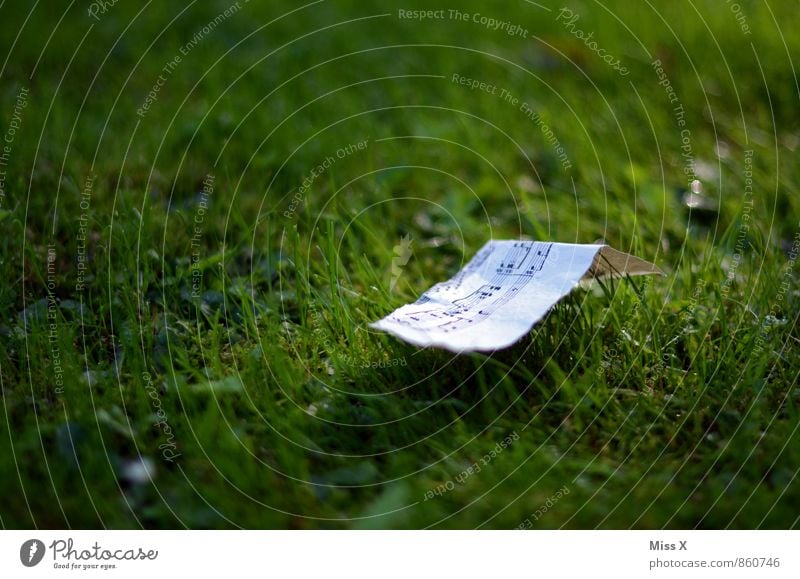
<point>509,323</point>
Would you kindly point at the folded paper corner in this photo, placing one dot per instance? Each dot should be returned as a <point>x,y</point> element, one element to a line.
<point>612,263</point>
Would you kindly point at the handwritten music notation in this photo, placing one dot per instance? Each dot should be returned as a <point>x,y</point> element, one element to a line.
<point>498,296</point>
<point>513,271</point>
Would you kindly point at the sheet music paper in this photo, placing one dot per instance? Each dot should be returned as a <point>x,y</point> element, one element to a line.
<point>502,292</point>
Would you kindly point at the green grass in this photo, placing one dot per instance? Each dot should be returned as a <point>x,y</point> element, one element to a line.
<point>666,402</point>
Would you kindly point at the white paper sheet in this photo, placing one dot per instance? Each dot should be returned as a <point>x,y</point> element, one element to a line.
<point>502,292</point>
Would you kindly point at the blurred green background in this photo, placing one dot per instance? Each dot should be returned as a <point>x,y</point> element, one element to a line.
<point>182,338</point>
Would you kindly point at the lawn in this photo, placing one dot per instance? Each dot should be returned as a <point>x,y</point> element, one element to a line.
<point>204,205</point>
